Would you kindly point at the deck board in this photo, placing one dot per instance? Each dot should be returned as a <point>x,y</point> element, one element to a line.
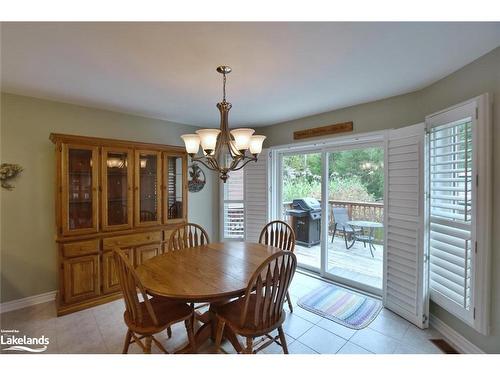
<point>356,263</point>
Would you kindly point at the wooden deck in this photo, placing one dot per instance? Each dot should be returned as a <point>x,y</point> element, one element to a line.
<point>355,264</point>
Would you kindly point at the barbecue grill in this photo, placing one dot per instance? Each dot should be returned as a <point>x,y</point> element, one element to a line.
<point>306,221</point>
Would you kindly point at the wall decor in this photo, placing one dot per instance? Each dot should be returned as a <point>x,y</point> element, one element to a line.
<point>342,127</point>
<point>8,172</point>
<point>196,180</point>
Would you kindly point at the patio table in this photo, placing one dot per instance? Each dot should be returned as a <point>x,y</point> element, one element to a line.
<point>370,226</point>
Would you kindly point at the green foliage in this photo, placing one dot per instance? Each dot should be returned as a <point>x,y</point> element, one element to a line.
<point>344,189</point>
<point>354,175</point>
<point>366,164</point>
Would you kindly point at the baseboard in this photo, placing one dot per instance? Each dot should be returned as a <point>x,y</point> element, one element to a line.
<point>455,339</point>
<point>28,301</point>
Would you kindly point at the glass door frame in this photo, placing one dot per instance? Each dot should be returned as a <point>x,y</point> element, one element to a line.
<point>373,139</point>
<point>104,187</point>
<point>165,193</point>
<point>65,188</point>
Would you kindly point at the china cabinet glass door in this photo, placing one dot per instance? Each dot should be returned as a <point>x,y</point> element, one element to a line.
<point>117,210</point>
<point>79,189</point>
<point>147,187</point>
<point>175,188</point>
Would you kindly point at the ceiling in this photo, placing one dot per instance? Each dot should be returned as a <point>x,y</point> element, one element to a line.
<point>281,71</point>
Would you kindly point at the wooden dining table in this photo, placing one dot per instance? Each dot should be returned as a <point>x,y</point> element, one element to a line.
<point>213,273</point>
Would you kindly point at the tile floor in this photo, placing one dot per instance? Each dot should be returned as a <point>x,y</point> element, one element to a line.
<point>101,330</point>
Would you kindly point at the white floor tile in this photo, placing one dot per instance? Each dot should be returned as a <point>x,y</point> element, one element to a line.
<point>295,326</point>
<point>322,341</point>
<point>374,341</point>
<point>394,327</point>
<point>336,328</point>
<point>350,348</point>
<point>297,347</point>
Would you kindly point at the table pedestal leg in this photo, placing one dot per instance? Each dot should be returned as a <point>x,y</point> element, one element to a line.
<point>207,331</point>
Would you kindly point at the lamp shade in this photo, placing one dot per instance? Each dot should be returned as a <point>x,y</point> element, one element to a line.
<point>242,138</point>
<point>192,143</point>
<point>208,138</point>
<point>256,143</point>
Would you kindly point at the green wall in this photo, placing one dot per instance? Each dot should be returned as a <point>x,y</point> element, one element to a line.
<point>28,251</point>
<point>481,76</point>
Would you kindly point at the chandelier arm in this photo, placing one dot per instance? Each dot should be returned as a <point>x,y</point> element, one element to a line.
<point>200,160</point>
<point>214,162</point>
<point>245,163</point>
<point>234,164</point>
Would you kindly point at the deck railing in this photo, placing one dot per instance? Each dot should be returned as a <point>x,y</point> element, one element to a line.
<point>370,211</point>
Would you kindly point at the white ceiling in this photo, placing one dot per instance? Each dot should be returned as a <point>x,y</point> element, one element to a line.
<point>281,71</point>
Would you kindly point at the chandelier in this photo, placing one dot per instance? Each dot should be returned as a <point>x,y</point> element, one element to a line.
<point>223,150</point>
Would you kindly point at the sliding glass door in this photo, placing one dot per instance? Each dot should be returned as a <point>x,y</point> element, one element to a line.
<point>334,200</point>
<point>300,206</point>
<point>355,211</point>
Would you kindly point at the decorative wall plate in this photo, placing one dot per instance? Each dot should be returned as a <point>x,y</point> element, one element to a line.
<point>7,172</point>
<point>196,179</point>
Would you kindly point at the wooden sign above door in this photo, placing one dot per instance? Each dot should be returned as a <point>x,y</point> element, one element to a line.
<point>342,127</point>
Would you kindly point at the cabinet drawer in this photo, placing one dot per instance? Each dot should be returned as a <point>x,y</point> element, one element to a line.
<point>75,249</point>
<point>131,240</point>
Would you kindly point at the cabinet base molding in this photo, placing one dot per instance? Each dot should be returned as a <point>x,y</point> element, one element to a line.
<point>27,301</point>
<point>68,309</point>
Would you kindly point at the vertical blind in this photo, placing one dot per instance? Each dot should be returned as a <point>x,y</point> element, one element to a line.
<point>450,205</point>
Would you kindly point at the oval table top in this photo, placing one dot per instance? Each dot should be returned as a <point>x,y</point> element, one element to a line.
<point>205,273</point>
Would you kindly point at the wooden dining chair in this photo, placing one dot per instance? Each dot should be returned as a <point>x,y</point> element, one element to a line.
<point>151,316</point>
<point>260,311</point>
<point>281,235</point>
<point>187,235</point>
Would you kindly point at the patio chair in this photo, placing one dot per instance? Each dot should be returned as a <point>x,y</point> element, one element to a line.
<point>341,217</point>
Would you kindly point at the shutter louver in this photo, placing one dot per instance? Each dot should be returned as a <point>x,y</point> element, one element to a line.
<point>234,206</point>
<point>405,288</point>
<point>450,181</point>
<point>256,197</point>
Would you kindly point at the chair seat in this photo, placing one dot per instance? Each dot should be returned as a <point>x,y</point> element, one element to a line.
<point>167,312</point>
<point>231,314</point>
<point>349,229</point>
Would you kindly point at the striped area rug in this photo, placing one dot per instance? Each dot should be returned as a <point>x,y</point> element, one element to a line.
<point>341,305</point>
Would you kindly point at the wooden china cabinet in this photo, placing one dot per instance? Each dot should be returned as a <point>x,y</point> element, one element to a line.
<point>112,193</point>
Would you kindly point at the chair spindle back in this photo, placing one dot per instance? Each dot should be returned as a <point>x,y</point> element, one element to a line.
<point>130,283</point>
<point>186,236</point>
<point>269,285</point>
<point>278,234</point>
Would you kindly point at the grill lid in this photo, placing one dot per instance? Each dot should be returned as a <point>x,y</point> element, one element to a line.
<point>306,204</point>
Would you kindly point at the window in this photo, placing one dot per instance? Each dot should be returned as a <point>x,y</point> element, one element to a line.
<point>458,154</point>
<point>233,225</point>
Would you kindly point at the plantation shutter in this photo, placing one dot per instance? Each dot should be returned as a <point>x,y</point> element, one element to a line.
<point>405,285</point>
<point>256,197</point>
<point>451,206</point>
<point>233,206</point>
